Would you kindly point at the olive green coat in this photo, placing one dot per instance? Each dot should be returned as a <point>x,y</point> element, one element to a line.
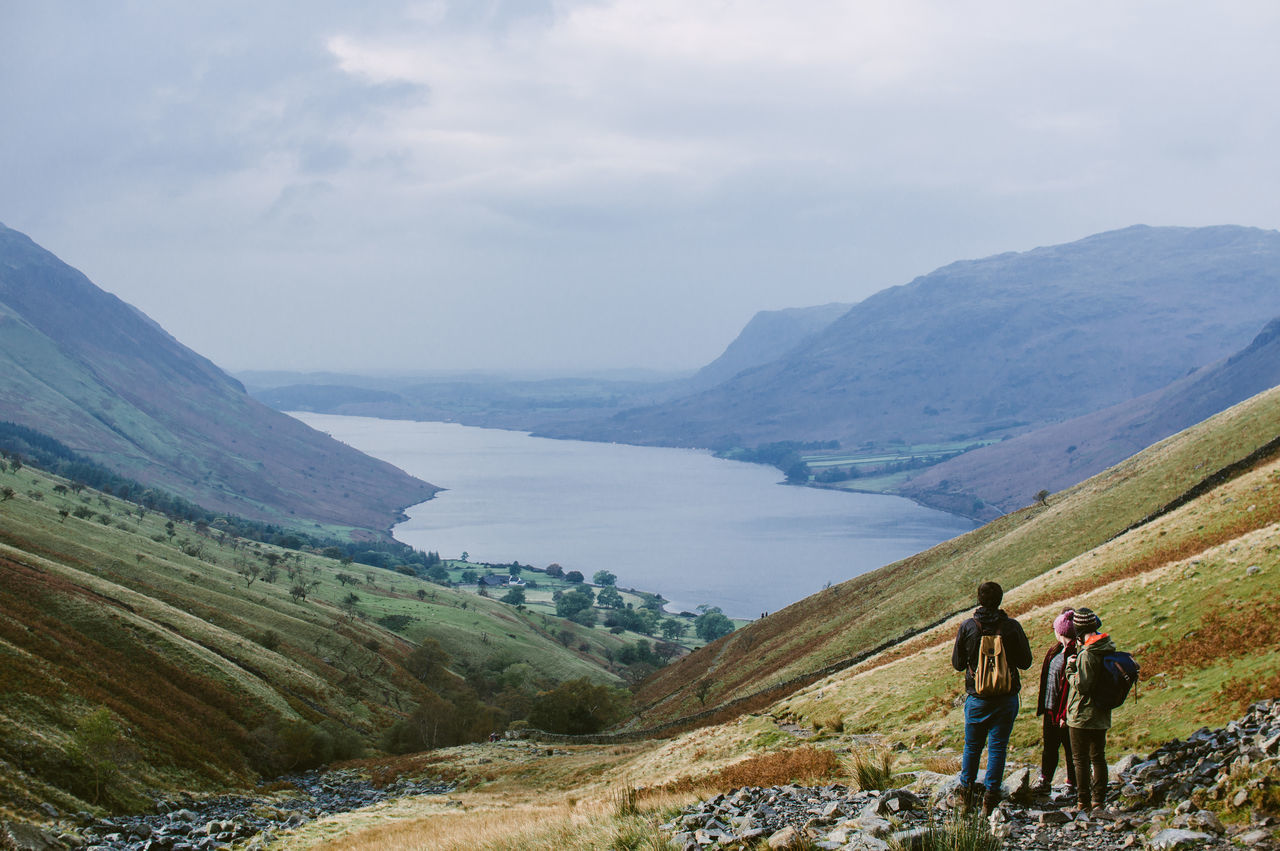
<point>1083,670</point>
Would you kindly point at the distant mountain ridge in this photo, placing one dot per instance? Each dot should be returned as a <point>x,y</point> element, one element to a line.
<point>768,336</point>
<point>86,368</point>
<point>1006,475</point>
<point>990,347</point>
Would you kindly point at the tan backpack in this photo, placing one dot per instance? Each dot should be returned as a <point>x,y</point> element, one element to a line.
<point>994,677</point>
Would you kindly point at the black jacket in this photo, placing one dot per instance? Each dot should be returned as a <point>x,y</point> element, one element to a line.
<point>964,656</point>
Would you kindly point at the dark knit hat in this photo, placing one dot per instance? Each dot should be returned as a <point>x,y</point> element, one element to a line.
<point>1086,621</point>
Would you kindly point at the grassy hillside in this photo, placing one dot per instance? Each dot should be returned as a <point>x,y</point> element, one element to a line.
<point>207,676</point>
<point>856,616</point>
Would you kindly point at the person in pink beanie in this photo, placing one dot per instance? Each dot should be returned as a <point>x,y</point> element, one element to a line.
<point>1052,704</point>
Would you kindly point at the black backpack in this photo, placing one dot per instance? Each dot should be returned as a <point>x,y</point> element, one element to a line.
<point>1119,673</point>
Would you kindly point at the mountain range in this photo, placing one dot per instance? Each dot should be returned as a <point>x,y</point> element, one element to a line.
<point>82,366</point>
<point>991,347</point>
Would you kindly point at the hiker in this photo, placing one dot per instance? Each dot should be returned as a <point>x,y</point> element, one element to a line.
<point>1052,704</point>
<point>1088,717</point>
<point>990,648</point>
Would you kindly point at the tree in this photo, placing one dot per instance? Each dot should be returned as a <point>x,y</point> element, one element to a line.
<point>350,603</point>
<point>465,556</point>
<point>422,594</point>
<point>346,579</point>
<point>1042,497</point>
<point>798,473</point>
<point>578,706</point>
<point>573,602</point>
<point>555,570</point>
<point>603,577</point>
<point>514,596</point>
<point>671,629</point>
<point>6,493</point>
<point>712,624</point>
<point>573,576</point>
<point>100,749</point>
<point>469,577</point>
<point>249,570</point>
<point>438,575</point>
<point>429,663</point>
<point>300,589</point>
<point>610,598</point>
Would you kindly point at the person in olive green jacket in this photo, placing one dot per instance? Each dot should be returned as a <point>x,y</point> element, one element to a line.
<point>1088,720</point>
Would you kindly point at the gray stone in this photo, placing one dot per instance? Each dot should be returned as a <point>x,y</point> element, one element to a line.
<point>1254,837</point>
<point>1206,820</point>
<point>1054,817</point>
<point>1124,765</point>
<point>873,825</point>
<point>28,837</point>
<point>1171,838</point>
<point>1017,785</point>
<point>785,837</point>
<point>862,842</point>
<point>909,838</point>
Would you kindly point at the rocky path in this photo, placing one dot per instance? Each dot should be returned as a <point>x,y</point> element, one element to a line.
<point>205,824</point>
<point>1176,798</point>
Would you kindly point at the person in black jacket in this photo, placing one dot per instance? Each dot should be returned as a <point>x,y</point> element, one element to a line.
<point>988,719</point>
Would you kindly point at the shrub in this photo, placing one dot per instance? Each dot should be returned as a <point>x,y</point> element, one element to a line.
<point>287,745</point>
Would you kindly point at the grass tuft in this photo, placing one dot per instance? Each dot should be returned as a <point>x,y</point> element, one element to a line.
<point>872,768</point>
<point>959,833</point>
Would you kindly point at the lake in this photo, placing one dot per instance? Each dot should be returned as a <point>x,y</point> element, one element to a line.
<point>694,528</point>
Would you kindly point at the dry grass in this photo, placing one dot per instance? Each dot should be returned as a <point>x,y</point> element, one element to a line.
<point>545,826</point>
<point>797,765</point>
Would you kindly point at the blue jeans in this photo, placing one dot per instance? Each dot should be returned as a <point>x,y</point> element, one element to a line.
<point>989,721</point>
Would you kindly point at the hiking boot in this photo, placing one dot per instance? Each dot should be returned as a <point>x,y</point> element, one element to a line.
<point>990,801</point>
<point>963,797</point>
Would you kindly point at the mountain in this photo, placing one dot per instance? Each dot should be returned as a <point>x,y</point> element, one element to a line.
<point>1005,475</point>
<point>768,336</point>
<point>84,367</point>
<point>991,347</point>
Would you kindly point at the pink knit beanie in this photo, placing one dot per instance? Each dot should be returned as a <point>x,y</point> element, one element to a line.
<point>1063,625</point>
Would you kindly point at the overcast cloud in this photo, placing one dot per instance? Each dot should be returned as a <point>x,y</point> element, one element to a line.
<point>617,183</point>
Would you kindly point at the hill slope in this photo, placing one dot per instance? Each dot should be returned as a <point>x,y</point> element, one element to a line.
<point>82,366</point>
<point>993,346</point>
<point>1004,475</point>
<point>221,675</point>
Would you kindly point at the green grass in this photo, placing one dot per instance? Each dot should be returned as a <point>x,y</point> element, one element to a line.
<point>111,610</point>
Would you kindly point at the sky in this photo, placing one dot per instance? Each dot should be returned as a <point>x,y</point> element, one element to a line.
<point>587,185</point>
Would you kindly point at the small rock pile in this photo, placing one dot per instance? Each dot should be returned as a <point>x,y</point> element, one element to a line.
<point>1170,800</point>
<point>190,824</point>
<point>784,814</point>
